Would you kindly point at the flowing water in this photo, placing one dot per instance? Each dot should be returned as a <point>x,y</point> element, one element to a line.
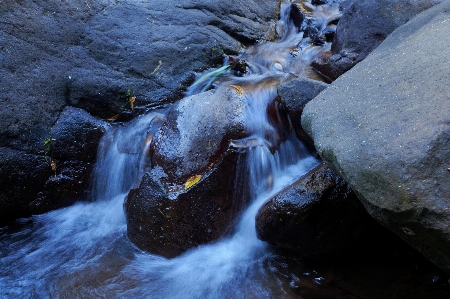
<point>83,252</point>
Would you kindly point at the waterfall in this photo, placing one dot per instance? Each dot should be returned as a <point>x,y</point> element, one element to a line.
<point>83,252</point>
<point>230,267</point>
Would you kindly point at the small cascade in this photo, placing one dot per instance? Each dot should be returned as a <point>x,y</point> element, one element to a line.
<point>53,251</point>
<point>123,152</point>
<point>83,252</point>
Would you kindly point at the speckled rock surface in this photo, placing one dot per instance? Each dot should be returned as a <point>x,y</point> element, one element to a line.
<point>385,128</point>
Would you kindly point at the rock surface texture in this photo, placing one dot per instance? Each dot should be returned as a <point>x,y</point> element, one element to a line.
<point>385,128</point>
<point>295,94</point>
<point>362,27</point>
<point>95,55</point>
<point>318,216</point>
<point>196,187</point>
<point>164,215</point>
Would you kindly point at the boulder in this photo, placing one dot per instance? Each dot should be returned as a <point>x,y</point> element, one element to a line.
<point>295,94</point>
<point>22,176</point>
<point>113,60</point>
<point>317,216</point>
<point>76,135</point>
<point>190,195</point>
<point>61,175</point>
<point>384,127</point>
<point>70,182</point>
<point>70,151</point>
<point>362,27</point>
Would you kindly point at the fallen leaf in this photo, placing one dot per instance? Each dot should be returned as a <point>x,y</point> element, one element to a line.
<point>239,89</point>
<point>113,118</point>
<point>192,181</point>
<point>132,99</point>
<point>53,165</point>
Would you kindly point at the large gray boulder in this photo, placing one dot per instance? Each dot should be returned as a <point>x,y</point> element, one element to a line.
<point>97,55</point>
<point>385,128</point>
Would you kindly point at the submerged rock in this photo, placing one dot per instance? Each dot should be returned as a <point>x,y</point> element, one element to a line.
<point>317,216</point>
<point>362,27</point>
<point>385,128</point>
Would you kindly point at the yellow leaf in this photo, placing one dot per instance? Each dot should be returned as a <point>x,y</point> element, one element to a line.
<point>192,181</point>
<point>132,99</point>
<point>239,89</point>
<point>112,118</point>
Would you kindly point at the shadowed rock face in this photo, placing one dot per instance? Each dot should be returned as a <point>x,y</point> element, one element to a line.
<point>295,94</point>
<point>71,153</point>
<point>95,55</point>
<point>384,127</point>
<point>167,222</point>
<point>362,27</point>
<point>317,216</point>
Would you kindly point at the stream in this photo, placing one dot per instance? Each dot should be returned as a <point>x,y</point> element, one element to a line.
<point>83,251</point>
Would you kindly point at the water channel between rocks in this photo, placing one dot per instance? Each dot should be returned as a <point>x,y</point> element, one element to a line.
<point>83,251</point>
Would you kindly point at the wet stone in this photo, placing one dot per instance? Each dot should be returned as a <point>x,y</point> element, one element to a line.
<point>317,216</point>
<point>319,2</point>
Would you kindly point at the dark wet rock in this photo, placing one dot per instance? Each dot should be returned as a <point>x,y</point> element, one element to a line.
<point>90,55</point>
<point>99,55</point>
<point>319,2</point>
<point>332,66</point>
<point>200,142</point>
<point>362,27</point>
<point>70,152</point>
<point>239,66</point>
<point>384,127</point>
<point>69,184</point>
<point>22,176</point>
<point>168,222</point>
<point>76,135</point>
<point>329,33</point>
<point>296,16</point>
<point>295,94</point>
<point>166,217</point>
<point>318,216</point>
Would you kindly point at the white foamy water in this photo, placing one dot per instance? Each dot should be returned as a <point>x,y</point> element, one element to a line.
<point>83,252</point>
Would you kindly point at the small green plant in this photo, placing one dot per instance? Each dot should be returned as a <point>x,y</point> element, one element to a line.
<point>47,146</point>
<point>129,98</point>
